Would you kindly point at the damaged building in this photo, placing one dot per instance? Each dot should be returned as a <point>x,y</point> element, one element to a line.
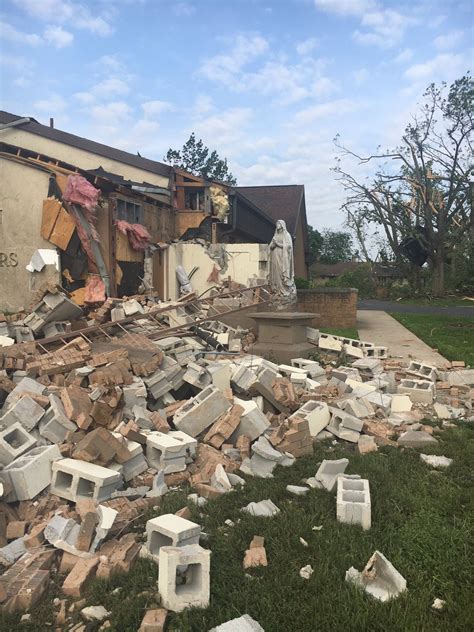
<point>143,220</point>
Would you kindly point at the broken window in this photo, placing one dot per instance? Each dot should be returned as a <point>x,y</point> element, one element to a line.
<point>194,200</point>
<point>130,212</point>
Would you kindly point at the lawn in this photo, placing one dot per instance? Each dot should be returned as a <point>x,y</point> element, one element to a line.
<point>420,521</point>
<point>448,301</point>
<point>347,332</point>
<point>451,335</point>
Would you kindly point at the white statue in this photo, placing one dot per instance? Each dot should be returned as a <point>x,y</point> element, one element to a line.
<point>281,272</point>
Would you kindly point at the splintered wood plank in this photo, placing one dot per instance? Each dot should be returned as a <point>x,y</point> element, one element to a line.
<point>51,210</point>
<point>63,230</point>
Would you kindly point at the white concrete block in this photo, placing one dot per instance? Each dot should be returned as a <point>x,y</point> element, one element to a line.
<point>190,588</point>
<point>165,452</point>
<point>201,411</point>
<point>329,471</point>
<point>55,425</point>
<point>422,370</point>
<point>353,501</point>
<point>419,391</point>
<point>170,530</point>
<point>30,473</point>
<point>329,343</point>
<point>24,411</point>
<point>401,404</point>
<point>345,426</point>
<point>73,479</point>
<point>379,400</point>
<point>14,441</point>
<point>253,422</point>
<point>379,578</point>
<point>316,414</point>
<point>263,508</point>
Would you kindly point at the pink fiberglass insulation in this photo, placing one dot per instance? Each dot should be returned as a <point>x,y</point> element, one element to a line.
<point>80,191</point>
<point>138,236</point>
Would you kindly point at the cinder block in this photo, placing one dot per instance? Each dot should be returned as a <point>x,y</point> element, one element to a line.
<point>201,411</point>
<point>24,411</point>
<point>74,480</point>
<point>379,400</point>
<point>14,441</point>
<point>157,384</point>
<point>165,452</point>
<point>191,588</point>
<point>316,414</point>
<point>329,343</point>
<point>252,423</point>
<point>345,426</point>
<point>422,370</point>
<point>353,501</point>
<point>25,385</point>
<point>29,474</point>
<point>379,578</point>
<point>55,425</point>
<point>329,471</point>
<point>170,530</point>
<point>419,391</point>
<point>312,368</point>
<point>242,379</point>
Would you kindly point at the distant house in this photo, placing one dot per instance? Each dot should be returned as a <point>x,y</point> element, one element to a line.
<point>383,274</point>
<point>285,202</point>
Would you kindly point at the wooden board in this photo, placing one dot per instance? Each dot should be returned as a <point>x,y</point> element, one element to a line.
<point>51,208</point>
<point>63,230</point>
<point>123,250</point>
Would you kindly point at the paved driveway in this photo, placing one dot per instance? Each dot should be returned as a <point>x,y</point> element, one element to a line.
<point>393,306</point>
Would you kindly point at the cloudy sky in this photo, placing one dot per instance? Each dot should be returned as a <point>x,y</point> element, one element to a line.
<point>268,83</point>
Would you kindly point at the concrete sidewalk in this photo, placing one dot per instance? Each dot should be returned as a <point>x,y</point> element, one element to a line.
<point>383,330</point>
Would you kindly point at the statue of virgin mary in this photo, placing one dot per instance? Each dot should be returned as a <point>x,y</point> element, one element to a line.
<point>281,269</point>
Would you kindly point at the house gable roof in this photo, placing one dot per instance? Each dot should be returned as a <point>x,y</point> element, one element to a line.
<point>91,146</point>
<point>277,201</point>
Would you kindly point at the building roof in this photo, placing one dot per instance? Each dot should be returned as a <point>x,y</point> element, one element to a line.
<point>33,127</point>
<point>278,201</point>
<point>337,269</point>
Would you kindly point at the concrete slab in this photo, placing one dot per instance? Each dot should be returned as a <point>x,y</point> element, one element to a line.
<point>383,330</point>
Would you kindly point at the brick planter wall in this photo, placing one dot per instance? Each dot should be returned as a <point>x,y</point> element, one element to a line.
<point>337,307</point>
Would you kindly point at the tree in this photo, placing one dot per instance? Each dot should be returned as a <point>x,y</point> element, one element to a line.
<point>199,160</point>
<point>420,193</point>
<point>330,246</point>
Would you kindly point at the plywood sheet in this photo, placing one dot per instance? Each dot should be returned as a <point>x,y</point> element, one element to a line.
<point>63,230</point>
<point>123,250</point>
<point>51,209</point>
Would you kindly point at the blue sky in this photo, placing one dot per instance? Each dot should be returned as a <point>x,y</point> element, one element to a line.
<point>266,83</point>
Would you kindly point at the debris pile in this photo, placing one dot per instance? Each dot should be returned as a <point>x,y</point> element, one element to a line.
<point>95,429</point>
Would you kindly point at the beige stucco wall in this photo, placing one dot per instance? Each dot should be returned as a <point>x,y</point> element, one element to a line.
<point>78,157</point>
<point>246,261</point>
<point>22,190</point>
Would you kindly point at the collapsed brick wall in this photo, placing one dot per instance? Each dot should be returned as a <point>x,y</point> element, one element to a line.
<point>337,307</point>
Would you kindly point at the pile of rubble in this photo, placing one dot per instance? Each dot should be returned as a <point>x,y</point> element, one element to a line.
<point>92,434</point>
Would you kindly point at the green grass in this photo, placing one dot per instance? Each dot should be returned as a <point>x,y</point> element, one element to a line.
<point>346,332</point>
<point>452,336</point>
<point>448,301</point>
<point>421,520</point>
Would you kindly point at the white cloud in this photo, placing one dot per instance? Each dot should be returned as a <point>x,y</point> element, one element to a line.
<point>384,28</point>
<point>9,32</point>
<point>76,14</point>
<point>283,82</point>
<point>52,105</point>
<point>449,40</point>
<point>445,66</point>
<point>58,37</point>
<point>405,55</point>
<point>113,86</point>
<point>345,7</point>
<point>184,9</point>
<point>322,110</point>
<point>203,104</point>
<point>360,76</point>
<point>112,113</point>
<point>224,67</point>
<point>225,130</point>
<point>307,46</point>
<point>86,98</point>
<point>153,108</point>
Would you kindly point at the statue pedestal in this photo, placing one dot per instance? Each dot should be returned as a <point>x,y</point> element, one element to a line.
<point>281,336</point>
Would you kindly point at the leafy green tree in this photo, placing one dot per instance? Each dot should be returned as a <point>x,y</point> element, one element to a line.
<point>330,246</point>
<point>199,160</point>
<point>420,195</point>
